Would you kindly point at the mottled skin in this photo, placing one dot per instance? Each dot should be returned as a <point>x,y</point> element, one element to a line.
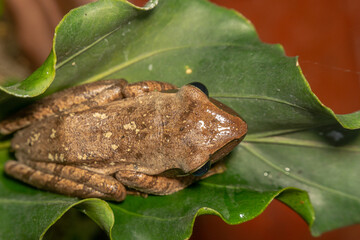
<point>94,139</point>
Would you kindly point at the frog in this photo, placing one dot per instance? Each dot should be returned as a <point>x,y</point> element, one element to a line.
<point>110,138</point>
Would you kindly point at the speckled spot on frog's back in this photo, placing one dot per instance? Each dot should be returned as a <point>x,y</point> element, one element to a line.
<point>36,141</point>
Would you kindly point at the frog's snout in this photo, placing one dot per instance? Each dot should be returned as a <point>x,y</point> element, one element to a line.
<point>224,107</point>
<point>232,135</point>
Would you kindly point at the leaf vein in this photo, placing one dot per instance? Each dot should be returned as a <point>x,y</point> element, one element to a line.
<point>62,63</point>
<point>301,143</point>
<point>263,98</point>
<point>139,58</point>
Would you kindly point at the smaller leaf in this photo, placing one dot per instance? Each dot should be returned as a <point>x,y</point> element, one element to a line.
<point>36,83</point>
<point>99,211</point>
<point>349,121</point>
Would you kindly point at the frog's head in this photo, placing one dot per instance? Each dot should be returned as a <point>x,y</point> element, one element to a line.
<point>210,129</point>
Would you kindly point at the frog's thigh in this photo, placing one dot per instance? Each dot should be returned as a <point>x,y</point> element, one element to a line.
<point>67,180</point>
<point>139,88</point>
<point>70,100</point>
<point>158,185</point>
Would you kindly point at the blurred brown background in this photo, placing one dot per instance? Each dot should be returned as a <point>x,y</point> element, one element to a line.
<point>325,34</point>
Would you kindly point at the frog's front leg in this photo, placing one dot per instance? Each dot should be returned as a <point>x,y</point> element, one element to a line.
<point>162,185</point>
<point>67,180</point>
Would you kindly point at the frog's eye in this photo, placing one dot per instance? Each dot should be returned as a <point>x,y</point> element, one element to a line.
<point>200,86</point>
<point>201,171</point>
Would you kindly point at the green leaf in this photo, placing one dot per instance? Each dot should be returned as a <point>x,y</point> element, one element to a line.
<point>294,142</point>
<point>312,160</point>
<point>173,216</point>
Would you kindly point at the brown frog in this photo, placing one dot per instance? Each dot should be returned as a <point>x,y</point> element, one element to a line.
<point>107,138</point>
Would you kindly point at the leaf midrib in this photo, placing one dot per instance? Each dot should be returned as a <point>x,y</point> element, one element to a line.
<point>73,56</point>
<point>142,57</point>
<point>301,143</point>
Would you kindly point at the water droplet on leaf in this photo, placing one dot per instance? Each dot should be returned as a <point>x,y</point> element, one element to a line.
<point>335,135</point>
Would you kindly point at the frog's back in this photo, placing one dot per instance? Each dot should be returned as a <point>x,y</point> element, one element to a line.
<point>71,138</point>
<point>128,130</point>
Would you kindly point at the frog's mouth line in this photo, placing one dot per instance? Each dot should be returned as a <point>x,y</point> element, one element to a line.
<point>225,150</point>
<point>217,156</point>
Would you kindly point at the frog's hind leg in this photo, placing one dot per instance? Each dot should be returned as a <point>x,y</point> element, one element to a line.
<point>158,185</point>
<point>162,185</point>
<point>67,180</point>
<point>70,100</point>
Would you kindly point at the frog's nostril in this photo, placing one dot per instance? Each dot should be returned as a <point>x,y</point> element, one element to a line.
<point>201,171</point>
